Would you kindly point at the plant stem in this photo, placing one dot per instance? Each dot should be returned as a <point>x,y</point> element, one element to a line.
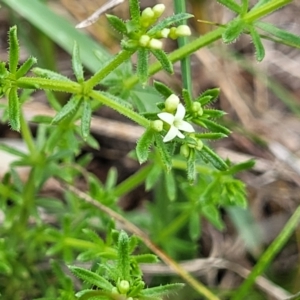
<point>268,255</point>
<point>108,68</point>
<point>264,10</point>
<point>132,182</point>
<point>26,135</point>
<point>185,64</point>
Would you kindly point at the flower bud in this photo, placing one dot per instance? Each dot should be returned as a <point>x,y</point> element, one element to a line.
<point>158,10</point>
<point>199,145</point>
<point>157,125</point>
<point>172,34</point>
<point>123,286</point>
<point>155,44</point>
<point>185,151</point>
<point>144,40</point>
<point>165,32</point>
<point>183,30</point>
<point>147,14</point>
<point>196,106</point>
<point>171,103</point>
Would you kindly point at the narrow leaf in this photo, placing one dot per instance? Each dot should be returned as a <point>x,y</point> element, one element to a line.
<point>194,225</point>
<point>285,36</point>
<point>231,4</point>
<point>50,74</point>
<point>170,185</point>
<point>187,98</point>
<point>143,146</point>
<point>117,23</point>
<point>69,109</point>
<point>208,96</point>
<point>153,177</point>
<point>212,126</point>
<point>213,215</point>
<point>245,7</point>
<point>191,167</point>
<point>213,113</point>
<point>134,8</point>
<point>259,47</point>
<point>26,66</point>
<point>91,278</point>
<point>14,109</point>
<point>86,118</point>
<point>13,50</point>
<point>76,63</point>
<point>142,64</point>
<point>164,153</point>
<point>162,57</point>
<point>163,89</point>
<point>233,31</point>
<point>210,135</point>
<point>207,154</point>
<point>163,290</point>
<point>123,256</point>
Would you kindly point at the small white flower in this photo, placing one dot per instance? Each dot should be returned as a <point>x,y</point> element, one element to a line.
<point>176,123</point>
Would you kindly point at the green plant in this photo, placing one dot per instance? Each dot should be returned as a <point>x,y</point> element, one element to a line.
<point>189,179</point>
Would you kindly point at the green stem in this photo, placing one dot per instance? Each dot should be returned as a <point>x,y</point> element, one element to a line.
<point>180,53</point>
<point>264,10</point>
<point>126,111</point>
<point>108,68</point>
<point>26,134</point>
<point>133,181</point>
<point>268,255</point>
<point>28,200</point>
<point>185,64</point>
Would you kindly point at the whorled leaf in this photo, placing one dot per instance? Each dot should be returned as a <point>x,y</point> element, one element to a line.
<point>14,109</point>
<point>86,118</point>
<point>162,57</point>
<point>14,50</point>
<point>234,29</point>
<point>77,64</point>
<point>118,24</point>
<point>143,146</point>
<point>259,47</point>
<point>163,89</point>
<point>142,64</point>
<point>209,155</point>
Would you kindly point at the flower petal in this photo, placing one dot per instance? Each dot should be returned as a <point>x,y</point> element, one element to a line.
<point>172,133</point>
<point>180,135</point>
<point>180,113</point>
<point>185,126</point>
<point>166,117</point>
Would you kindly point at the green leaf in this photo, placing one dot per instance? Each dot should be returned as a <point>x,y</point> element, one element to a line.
<point>12,150</point>
<point>134,9</point>
<point>241,167</point>
<point>283,36</point>
<point>170,185</point>
<point>208,96</point>
<point>14,109</point>
<point>191,166</point>
<point>142,64</point>
<point>123,256</point>
<point>211,125</point>
<point>164,90</point>
<point>143,146</point>
<point>208,154</point>
<point>164,153</point>
<point>91,278</point>
<point>245,7</point>
<point>86,118</point>
<point>111,178</point>
<point>259,47</point>
<point>26,66</point>
<point>68,110</point>
<point>13,50</point>
<point>162,57</point>
<point>213,113</point>
<point>233,31</point>
<point>231,4</point>
<point>145,258</point>
<point>76,63</point>
<point>153,177</point>
<point>187,98</point>
<point>50,74</point>
<point>210,135</point>
<point>165,23</point>
<point>163,290</point>
<point>194,225</point>
<point>213,215</point>
<point>117,23</point>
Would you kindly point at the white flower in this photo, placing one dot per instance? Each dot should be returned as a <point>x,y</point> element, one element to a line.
<point>176,123</point>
